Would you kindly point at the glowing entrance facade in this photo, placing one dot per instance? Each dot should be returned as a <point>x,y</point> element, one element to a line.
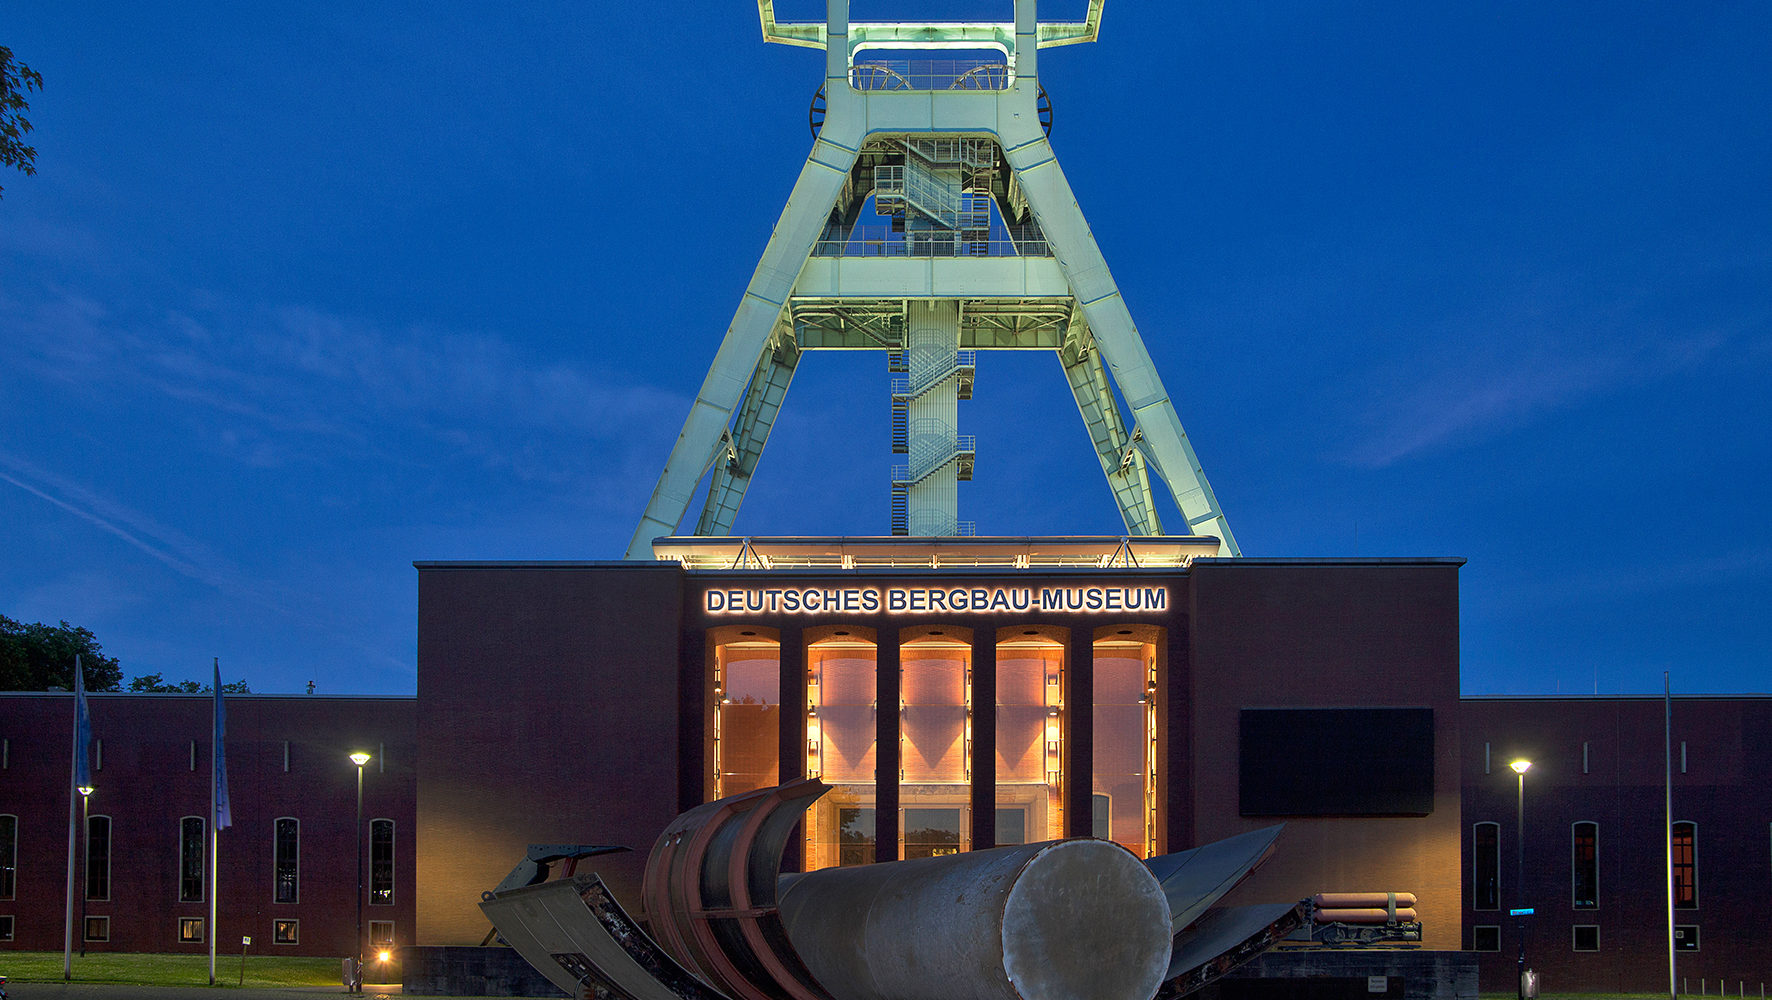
<point>941,674</point>
<point>932,221</point>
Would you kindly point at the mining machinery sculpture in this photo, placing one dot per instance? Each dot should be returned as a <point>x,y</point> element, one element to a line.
<point>977,243</point>
<point>1045,921</point>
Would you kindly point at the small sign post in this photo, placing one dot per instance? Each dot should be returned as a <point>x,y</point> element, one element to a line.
<point>245,943</point>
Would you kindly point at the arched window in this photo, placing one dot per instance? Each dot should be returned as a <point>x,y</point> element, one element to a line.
<point>8,855</point>
<point>1030,735</point>
<point>935,744</point>
<point>1125,743</point>
<point>286,860</point>
<point>1686,866</point>
<point>98,857</point>
<point>190,859</point>
<point>747,712</point>
<point>381,862</point>
<point>841,746</point>
<point>1584,866</point>
<point>1486,866</point>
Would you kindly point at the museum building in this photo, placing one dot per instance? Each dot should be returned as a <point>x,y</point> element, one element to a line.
<point>1142,691</point>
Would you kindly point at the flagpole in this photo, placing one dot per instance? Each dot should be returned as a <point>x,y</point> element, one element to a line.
<point>1667,791</point>
<point>214,834</point>
<point>73,783</point>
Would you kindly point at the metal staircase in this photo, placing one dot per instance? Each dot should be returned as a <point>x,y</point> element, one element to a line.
<point>976,240</point>
<point>926,192</point>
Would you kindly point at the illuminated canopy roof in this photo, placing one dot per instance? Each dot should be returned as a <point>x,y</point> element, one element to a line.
<point>886,551</point>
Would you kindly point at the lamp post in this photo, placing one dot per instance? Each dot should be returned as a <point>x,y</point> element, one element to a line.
<point>85,859</point>
<point>1520,768</point>
<point>359,758</point>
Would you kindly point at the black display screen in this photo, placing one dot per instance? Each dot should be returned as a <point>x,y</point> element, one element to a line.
<point>1336,762</point>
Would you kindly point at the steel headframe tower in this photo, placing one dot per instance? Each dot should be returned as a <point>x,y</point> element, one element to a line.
<point>978,244</point>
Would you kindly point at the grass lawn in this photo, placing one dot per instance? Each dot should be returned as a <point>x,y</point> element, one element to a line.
<point>178,970</point>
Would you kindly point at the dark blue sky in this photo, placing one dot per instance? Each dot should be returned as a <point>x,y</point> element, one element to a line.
<point>304,292</point>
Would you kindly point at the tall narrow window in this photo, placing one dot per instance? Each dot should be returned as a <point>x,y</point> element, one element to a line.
<point>1030,669</point>
<point>747,714</point>
<point>841,741</point>
<point>286,860</point>
<point>98,858</point>
<point>1124,794</point>
<point>1486,866</point>
<point>934,740</point>
<point>190,859</point>
<point>8,855</point>
<point>1686,866</point>
<point>1584,866</point>
<point>381,862</point>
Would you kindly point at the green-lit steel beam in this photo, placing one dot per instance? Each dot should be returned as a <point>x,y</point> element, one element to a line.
<point>1121,462</point>
<point>756,418</point>
<point>1035,185</point>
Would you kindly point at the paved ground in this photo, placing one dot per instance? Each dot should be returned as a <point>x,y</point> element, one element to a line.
<point>16,990</point>
<point>88,991</point>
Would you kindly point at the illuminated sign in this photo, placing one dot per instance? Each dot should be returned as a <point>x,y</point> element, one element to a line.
<point>895,600</point>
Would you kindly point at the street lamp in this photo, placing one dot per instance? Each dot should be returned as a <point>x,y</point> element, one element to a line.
<point>359,758</point>
<point>1520,767</point>
<point>86,859</point>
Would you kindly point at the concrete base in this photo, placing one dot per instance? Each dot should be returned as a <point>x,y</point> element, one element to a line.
<point>472,972</point>
<point>1352,974</point>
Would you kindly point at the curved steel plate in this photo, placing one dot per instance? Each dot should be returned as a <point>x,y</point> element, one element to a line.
<point>575,933</point>
<point>1195,879</point>
<point>1224,939</point>
<point>710,897</point>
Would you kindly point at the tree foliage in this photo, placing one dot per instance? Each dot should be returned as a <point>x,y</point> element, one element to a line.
<point>156,684</point>
<point>37,657</point>
<point>16,80</point>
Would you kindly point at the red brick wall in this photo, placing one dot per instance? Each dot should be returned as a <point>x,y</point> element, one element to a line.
<point>1725,789</point>
<point>146,784</point>
<point>1314,634</point>
<point>548,713</point>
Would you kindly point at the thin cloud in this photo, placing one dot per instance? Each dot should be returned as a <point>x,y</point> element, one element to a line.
<point>1473,398</point>
<point>298,385</point>
<point>162,544</point>
<point>175,551</point>
<point>1609,584</point>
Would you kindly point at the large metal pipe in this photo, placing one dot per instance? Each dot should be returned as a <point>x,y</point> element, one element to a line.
<point>1052,921</point>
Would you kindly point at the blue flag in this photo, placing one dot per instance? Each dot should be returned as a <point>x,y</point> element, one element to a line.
<point>82,729</point>
<point>223,817</point>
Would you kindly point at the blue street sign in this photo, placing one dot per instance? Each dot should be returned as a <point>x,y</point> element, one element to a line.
<point>1522,912</point>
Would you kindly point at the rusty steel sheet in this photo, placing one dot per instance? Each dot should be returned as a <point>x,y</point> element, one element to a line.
<point>753,871</point>
<point>710,892</point>
<point>1224,939</point>
<point>666,900</point>
<point>1051,921</point>
<point>575,933</point>
<point>1193,880</point>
